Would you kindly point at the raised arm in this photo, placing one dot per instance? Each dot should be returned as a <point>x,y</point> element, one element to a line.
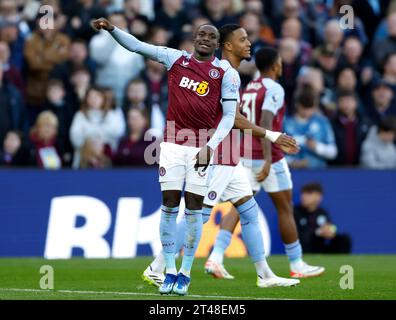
<point>164,55</point>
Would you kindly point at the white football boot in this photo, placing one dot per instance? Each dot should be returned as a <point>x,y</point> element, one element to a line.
<point>217,270</point>
<point>152,277</point>
<point>304,270</point>
<point>276,281</point>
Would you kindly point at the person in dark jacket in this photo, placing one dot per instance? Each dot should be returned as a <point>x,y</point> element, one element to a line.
<point>12,108</point>
<point>350,129</point>
<point>317,232</point>
<point>131,149</point>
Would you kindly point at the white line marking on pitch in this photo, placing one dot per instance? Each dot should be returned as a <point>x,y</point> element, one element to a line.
<point>134,294</point>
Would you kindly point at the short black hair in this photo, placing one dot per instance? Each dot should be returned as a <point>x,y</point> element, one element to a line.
<point>265,58</point>
<point>312,187</point>
<point>347,93</point>
<point>203,25</point>
<point>387,124</point>
<point>306,97</point>
<point>225,32</point>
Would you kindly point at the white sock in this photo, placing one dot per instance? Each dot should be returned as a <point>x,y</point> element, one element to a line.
<point>263,270</point>
<point>217,256</point>
<point>185,272</point>
<point>158,265</point>
<point>296,265</point>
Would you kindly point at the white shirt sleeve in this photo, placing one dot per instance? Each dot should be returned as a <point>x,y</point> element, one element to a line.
<point>164,55</point>
<point>274,98</point>
<point>230,85</point>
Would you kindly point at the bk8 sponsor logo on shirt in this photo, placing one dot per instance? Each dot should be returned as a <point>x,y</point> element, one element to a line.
<point>200,88</point>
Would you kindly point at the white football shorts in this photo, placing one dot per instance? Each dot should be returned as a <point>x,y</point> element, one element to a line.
<point>279,178</point>
<point>227,183</point>
<point>176,167</point>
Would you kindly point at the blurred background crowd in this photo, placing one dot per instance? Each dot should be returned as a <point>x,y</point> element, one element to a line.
<point>71,97</point>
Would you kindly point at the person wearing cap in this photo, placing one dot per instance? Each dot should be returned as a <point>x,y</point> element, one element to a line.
<point>325,58</point>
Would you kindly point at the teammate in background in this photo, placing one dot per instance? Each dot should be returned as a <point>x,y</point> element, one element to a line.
<point>202,90</point>
<point>229,182</point>
<point>263,104</point>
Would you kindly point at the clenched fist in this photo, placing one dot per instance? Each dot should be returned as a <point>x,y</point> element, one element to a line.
<point>102,23</point>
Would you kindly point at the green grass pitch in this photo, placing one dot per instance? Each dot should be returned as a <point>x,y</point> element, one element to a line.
<point>374,277</point>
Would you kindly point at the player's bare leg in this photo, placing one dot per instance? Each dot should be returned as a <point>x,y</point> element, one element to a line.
<point>214,265</point>
<point>288,231</point>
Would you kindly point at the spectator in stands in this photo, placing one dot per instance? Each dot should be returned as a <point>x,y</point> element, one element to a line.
<point>351,57</point>
<point>333,35</point>
<point>158,36</point>
<point>139,28</point>
<point>94,155</point>
<point>252,23</point>
<point>116,65</point>
<point>131,150</point>
<point>292,28</point>
<point>387,45</point>
<point>45,49</point>
<point>80,80</point>
<point>155,77</point>
<point>77,58</point>
<point>314,78</point>
<point>80,17</point>
<point>346,80</point>
<point>350,27</point>
<point>350,129</point>
<point>14,153</point>
<point>292,9</point>
<point>14,31</point>
<point>379,150</point>
<point>380,102</point>
<point>58,102</point>
<point>12,108</point>
<point>325,58</point>
<point>132,11</point>
<point>312,131</point>
<point>172,16</point>
<point>266,32</point>
<point>290,53</point>
<point>11,73</point>
<point>215,10</point>
<point>389,68</point>
<point>370,12</point>
<point>93,121</point>
<point>136,96</point>
<point>43,136</point>
<point>317,232</point>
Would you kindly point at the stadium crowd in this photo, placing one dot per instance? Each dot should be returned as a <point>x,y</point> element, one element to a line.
<point>72,97</point>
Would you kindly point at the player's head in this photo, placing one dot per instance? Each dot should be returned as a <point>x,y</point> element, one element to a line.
<point>206,40</point>
<point>234,40</point>
<point>269,60</point>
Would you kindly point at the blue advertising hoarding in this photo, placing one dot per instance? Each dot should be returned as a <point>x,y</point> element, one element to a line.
<point>115,213</point>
